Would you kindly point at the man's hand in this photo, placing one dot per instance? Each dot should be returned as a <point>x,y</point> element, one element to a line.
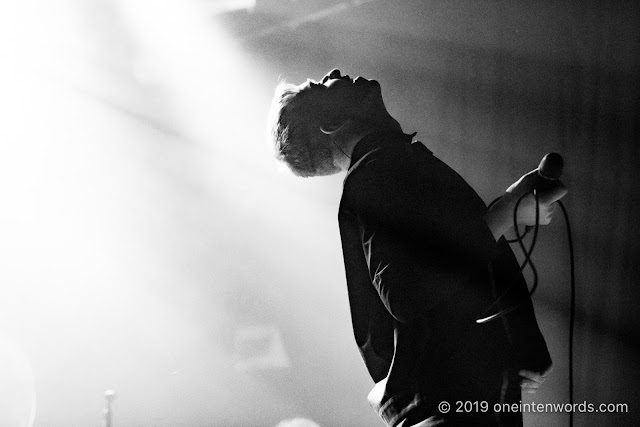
<point>530,381</point>
<point>527,207</point>
<point>499,217</point>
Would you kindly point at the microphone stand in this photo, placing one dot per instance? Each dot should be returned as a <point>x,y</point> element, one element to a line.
<point>109,395</point>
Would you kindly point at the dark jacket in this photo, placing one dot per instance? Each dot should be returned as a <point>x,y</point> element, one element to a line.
<point>417,254</point>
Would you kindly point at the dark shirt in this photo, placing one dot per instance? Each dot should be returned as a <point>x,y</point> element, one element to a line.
<point>417,253</point>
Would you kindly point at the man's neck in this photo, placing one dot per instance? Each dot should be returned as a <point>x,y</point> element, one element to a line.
<point>346,140</point>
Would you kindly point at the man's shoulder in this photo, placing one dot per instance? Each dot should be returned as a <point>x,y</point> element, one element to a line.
<point>372,169</point>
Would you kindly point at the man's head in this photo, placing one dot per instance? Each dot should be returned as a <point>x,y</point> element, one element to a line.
<point>316,124</point>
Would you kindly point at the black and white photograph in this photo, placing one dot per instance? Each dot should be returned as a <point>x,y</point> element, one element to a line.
<point>331,213</point>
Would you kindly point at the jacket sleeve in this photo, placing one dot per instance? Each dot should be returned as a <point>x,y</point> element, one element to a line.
<point>420,239</point>
<point>528,344</point>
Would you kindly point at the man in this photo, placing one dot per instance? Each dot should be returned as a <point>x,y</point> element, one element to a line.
<point>440,310</point>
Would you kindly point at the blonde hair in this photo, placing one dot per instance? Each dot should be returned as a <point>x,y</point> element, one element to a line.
<point>294,122</point>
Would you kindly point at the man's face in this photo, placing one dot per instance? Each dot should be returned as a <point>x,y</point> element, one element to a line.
<point>339,97</point>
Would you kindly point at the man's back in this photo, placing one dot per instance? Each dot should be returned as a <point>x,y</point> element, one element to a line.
<point>416,254</point>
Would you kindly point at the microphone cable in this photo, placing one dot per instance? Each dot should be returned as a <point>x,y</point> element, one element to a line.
<point>572,312</point>
<point>528,261</point>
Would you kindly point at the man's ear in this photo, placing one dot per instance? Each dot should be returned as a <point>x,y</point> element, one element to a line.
<point>332,128</point>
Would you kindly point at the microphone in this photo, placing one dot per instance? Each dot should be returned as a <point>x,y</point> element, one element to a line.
<point>549,171</point>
